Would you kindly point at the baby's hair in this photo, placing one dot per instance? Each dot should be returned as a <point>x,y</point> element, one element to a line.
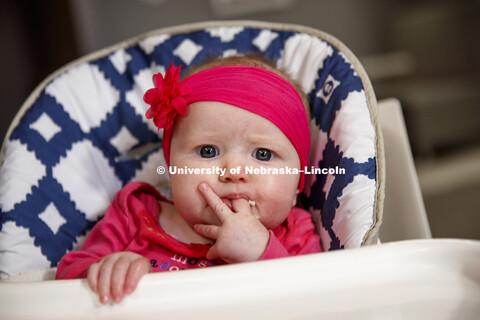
<point>252,60</point>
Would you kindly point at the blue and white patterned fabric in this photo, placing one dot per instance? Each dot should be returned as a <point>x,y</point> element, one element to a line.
<point>66,156</point>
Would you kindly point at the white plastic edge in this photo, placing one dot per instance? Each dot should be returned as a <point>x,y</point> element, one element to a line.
<point>418,279</point>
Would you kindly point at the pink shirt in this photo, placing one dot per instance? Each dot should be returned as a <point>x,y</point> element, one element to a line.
<point>131,224</point>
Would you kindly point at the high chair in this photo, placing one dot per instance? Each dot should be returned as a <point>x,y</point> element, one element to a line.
<point>82,135</point>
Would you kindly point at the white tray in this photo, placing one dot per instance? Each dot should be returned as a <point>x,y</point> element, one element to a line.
<point>418,279</point>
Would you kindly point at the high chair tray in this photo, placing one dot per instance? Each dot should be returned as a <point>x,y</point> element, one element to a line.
<point>418,279</point>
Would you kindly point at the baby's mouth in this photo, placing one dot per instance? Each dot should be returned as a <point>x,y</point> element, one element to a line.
<point>234,196</point>
<point>228,202</point>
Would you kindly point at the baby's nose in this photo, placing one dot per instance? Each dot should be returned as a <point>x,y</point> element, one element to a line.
<point>234,171</point>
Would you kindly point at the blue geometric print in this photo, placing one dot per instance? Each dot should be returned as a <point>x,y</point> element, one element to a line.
<point>326,100</point>
<point>341,71</point>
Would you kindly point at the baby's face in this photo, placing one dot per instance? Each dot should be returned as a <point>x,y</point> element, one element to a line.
<point>219,136</point>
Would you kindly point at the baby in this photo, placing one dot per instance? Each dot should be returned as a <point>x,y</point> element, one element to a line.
<point>237,114</point>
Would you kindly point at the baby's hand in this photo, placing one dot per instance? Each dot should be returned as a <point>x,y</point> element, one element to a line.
<point>240,236</point>
<point>116,275</point>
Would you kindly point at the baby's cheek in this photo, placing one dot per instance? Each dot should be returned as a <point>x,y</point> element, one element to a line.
<point>282,186</point>
<point>187,203</point>
<point>276,205</point>
<point>274,212</point>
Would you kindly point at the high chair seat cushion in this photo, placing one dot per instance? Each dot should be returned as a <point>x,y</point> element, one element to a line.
<point>82,135</point>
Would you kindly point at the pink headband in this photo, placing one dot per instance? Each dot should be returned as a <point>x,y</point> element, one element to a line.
<point>251,88</point>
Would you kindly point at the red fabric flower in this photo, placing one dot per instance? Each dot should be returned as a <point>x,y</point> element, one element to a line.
<point>167,99</point>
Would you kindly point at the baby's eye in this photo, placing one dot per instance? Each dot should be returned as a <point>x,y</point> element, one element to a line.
<point>263,154</point>
<point>208,152</point>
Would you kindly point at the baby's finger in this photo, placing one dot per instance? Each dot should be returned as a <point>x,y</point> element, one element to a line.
<point>220,208</point>
<point>207,230</point>
<point>241,205</point>
<point>212,254</point>
<point>92,276</point>
<point>104,280</point>
<point>117,280</point>
<point>137,269</point>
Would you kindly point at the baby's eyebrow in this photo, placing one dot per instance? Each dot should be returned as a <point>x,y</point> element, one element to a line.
<point>269,143</point>
<point>259,139</point>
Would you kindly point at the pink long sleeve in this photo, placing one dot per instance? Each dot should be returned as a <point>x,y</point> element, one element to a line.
<point>111,234</point>
<point>295,237</point>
